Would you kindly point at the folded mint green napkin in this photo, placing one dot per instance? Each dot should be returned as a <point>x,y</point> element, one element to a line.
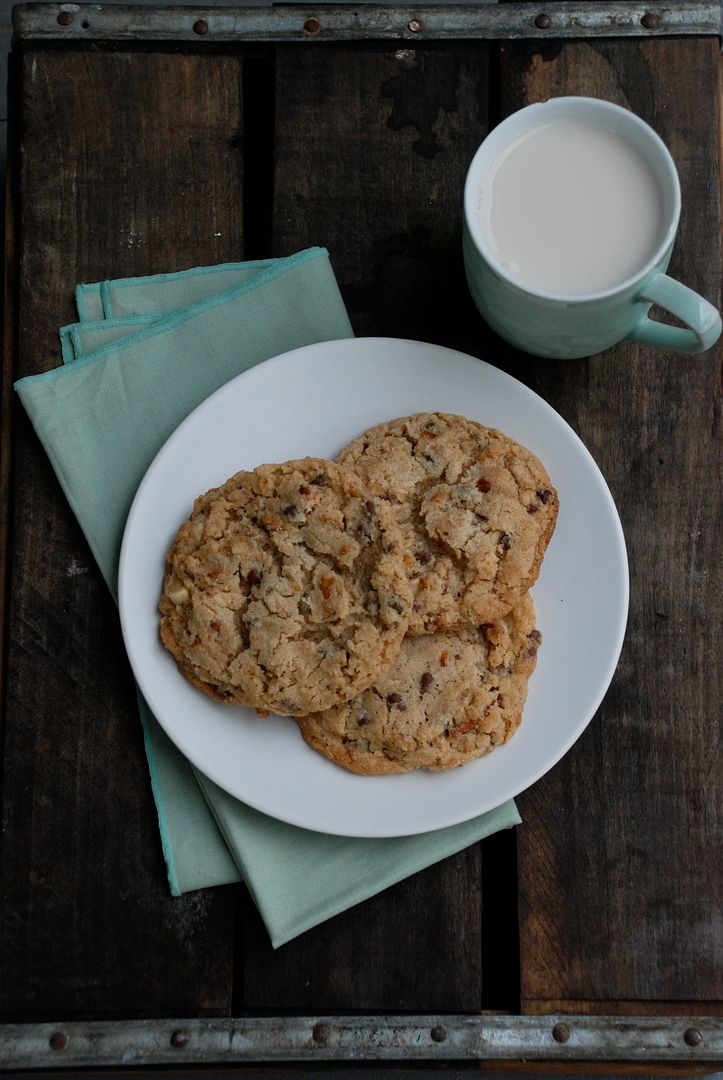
<point>162,292</point>
<point>85,337</point>
<point>145,352</point>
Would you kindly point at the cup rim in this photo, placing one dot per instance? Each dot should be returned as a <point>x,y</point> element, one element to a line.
<point>553,104</point>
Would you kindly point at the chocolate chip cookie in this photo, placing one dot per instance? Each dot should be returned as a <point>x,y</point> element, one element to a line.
<point>476,510</point>
<point>285,589</point>
<point>446,700</point>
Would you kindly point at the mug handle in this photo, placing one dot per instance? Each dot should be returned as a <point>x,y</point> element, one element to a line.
<point>702,318</point>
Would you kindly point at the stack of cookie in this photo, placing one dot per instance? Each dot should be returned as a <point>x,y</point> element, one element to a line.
<point>381,600</point>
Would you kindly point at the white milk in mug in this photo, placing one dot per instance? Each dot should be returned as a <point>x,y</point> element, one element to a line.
<point>572,208</point>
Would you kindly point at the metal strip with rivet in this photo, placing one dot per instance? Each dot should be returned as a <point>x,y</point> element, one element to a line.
<point>96,1044</point>
<point>99,22</point>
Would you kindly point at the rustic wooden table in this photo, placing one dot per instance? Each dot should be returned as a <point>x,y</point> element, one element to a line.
<point>139,150</point>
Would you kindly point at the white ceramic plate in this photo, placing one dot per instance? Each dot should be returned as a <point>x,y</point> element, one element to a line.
<point>311,402</point>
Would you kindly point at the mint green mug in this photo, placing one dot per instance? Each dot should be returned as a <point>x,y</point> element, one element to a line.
<point>571,208</point>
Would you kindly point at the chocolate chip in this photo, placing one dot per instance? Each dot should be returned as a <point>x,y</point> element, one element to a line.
<point>425,682</point>
<point>394,699</point>
<point>535,635</point>
<point>304,490</point>
<point>423,557</point>
<point>483,485</point>
<point>319,480</point>
<point>291,511</point>
<point>544,495</point>
<point>371,507</point>
<point>396,605</point>
<point>505,541</point>
<point>363,721</point>
<point>254,577</point>
<point>532,509</point>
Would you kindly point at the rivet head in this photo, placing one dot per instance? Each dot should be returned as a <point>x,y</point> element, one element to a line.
<point>320,1033</point>
<point>561,1033</point>
<point>415,25</point>
<point>200,27</point>
<point>312,26</point>
<point>650,20</point>
<point>179,1039</point>
<point>58,1040</point>
<point>438,1033</point>
<point>65,18</point>
<point>543,22</point>
<point>693,1037</point>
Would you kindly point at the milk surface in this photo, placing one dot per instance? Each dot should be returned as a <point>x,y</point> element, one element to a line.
<point>572,208</point>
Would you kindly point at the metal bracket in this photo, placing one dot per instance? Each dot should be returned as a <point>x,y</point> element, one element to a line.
<point>620,18</point>
<point>353,1038</point>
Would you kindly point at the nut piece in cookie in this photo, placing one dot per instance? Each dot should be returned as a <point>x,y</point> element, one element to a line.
<point>446,700</point>
<point>285,590</point>
<point>476,509</point>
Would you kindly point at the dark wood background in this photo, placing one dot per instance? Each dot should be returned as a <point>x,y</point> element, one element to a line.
<point>608,897</point>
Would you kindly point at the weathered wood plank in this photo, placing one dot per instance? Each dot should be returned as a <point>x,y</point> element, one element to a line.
<point>10,281</point>
<point>624,1008</point>
<point>130,164</point>
<point>621,888</point>
<point>372,145</point>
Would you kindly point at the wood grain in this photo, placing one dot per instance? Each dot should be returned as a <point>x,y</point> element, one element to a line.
<point>10,282</point>
<point>624,1008</point>
<point>372,147</point>
<point>621,888</point>
<point>129,165</point>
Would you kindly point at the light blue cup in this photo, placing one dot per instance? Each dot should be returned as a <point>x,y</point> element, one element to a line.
<point>566,327</point>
